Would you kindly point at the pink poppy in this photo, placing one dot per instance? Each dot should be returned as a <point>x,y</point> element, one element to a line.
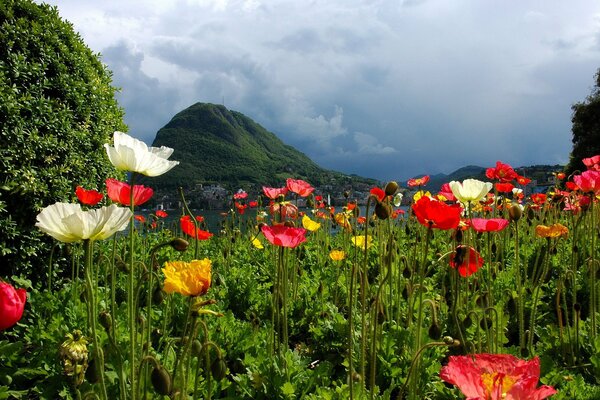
<point>12,304</point>
<point>592,163</point>
<point>300,187</point>
<point>496,377</point>
<point>418,181</point>
<point>119,192</point>
<point>489,225</point>
<point>588,181</point>
<point>274,193</point>
<point>281,235</point>
<point>240,195</point>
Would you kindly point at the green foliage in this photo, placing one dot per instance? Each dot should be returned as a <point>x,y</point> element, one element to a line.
<point>217,145</point>
<point>57,109</point>
<point>586,128</point>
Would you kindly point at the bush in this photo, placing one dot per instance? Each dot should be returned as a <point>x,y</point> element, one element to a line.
<point>57,109</point>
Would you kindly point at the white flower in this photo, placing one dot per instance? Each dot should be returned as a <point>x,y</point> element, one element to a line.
<point>398,199</point>
<point>517,191</point>
<point>68,223</point>
<point>129,154</point>
<point>470,190</point>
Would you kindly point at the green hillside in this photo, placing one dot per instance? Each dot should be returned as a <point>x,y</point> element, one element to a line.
<point>217,145</point>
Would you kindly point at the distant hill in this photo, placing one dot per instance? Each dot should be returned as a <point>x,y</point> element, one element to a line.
<point>215,145</point>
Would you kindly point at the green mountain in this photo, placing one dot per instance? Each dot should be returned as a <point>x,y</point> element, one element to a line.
<point>215,145</point>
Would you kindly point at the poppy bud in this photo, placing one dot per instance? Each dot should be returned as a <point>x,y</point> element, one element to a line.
<point>179,244</point>
<point>515,213</point>
<point>289,224</point>
<point>458,235</point>
<point>346,194</point>
<point>122,265</point>
<point>383,210</point>
<point>467,322</point>
<point>161,380</point>
<point>92,374</point>
<point>158,295</point>
<point>577,307</point>
<point>105,320</point>
<point>356,377</point>
<point>218,368</point>
<point>196,348</point>
<point>449,340</point>
<point>435,331</point>
<point>391,188</point>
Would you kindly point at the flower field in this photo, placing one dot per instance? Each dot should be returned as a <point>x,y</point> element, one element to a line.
<point>477,290</point>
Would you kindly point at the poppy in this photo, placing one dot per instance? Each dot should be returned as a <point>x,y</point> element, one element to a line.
<point>12,304</point>
<point>240,195</point>
<point>552,231</point>
<point>436,214</point>
<point>284,209</point>
<point>189,228</point>
<point>592,163</point>
<point>284,236</point>
<point>161,214</point>
<point>343,220</point>
<point>489,225</point>
<point>504,187</point>
<point>502,172</point>
<point>588,181</point>
<point>470,190</point>
<point>140,218</point>
<point>309,224</point>
<point>496,377</point>
<point>274,193</point>
<point>378,193</point>
<point>129,154</point>
<point>523,181</point>
<point>88,197</point>
<point>241,208</point>
<point>188,279</point>
<point>359,241</point>
<point>561,175</point>
<point>466,259</point>
<point>253,204</point>
<point>300,187</point>
<point>257,244</point>
<point>418,181</point>
<point>538,198</point>
<point>337,255</point>
<point>199,218</point>
<point>119,192</point>
<point>446,193</point>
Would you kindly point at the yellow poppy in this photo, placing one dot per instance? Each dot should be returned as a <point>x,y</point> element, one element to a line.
<point>188,279</point>
<point>342,220</point>
<point>420,194</point>
<point>359,241</point>
<point>337,255</point>
<point>258,244</point>
<point>309,224</point>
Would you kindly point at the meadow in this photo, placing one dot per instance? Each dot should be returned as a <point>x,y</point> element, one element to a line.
<point>479,290</point>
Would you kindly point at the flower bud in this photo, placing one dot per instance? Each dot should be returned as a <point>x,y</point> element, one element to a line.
<point>105,320</point>
<point>435,331</point>
<point>218,368</point>
<point>158,295</point>
<point>161,380</point>
<point>515,213</point>
<point>179,244</point>
<point>391,188</point>
<point>383,210</point>
<point>92,374</point>
<point>289,224</point>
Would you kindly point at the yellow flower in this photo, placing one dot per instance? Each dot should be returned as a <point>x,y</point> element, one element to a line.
<point>420,194</point>
<point>552,231</point>
<point>337,255</point>
<point>309,224</point>
<point>342,220</point>
<point>258,244</point>
<point>359,241</point>
<point>188,279</point>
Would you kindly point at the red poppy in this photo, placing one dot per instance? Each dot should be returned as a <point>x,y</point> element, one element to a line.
<point>418,181</point>
<point>571,186</point>
<point>153,225</point>
<point>466,259</point>
<point>436,214</point>
<point>240,195</point>
<point>504,187</point>
<point>300,187</point>
<point>538,198</point>
<point>318,198</point>
<point>489,225</point>
<point>522,180</point>
<point>199,218</point>
<point>12,304</point>
<point>561,175</point>
<point>588,181</point>
<point>241,208</point>
<point>397,212</point>
<point>253,204</point>
<point>502,172</point>
<point>188,227</point>
<point>161,214</point>
<point>140,218</point>
<point>592,163</point>
<point>350,206</point>
<point>281,235</point>
<point>88,197</point>
<point>361,220</point>
<point>378,193</point>
<point>119,192</point>
<point>496,377</point>
<point>284,209</point>
<point>274,193</point>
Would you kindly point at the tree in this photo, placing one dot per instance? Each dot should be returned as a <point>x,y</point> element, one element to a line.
<point>586,128</point>
<point>57,109</point>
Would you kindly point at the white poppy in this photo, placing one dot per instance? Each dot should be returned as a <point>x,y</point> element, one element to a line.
<point>470,190</point>
<point>130,154</point>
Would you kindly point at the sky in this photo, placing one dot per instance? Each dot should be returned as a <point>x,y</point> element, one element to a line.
<point>381,89</point>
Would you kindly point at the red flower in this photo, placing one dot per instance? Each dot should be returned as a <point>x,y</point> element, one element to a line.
<point>241,208</point>
<point>188,227</point>
<point>253,204</point>
<point>281,235</point>
<point>88,197</point>
<point>240,195</point>
<point>285,209</point>
<point>571,186</point>
<point>446,192</point>
<point>161,214</point>
<point>436,214</point>
<point>378,193</point>
<point>504,187</point>
<point>466,259</point>
<point>140,218</point>
<point>496,377</point>
<point>418,181</point>
<point>361,220</point>
<point>489,225</point>
<point>318,198</point>
<point>199,218</point>
<point>560,176</point>
<point>522,180</point>
<point>299,187</point>
<point>502,172</point>
<point>119,192</point>
<point>274,193</point>
<point>592,163</point>
<point>12,304</point>
<point>588,181</point>
<point>538,198</point>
